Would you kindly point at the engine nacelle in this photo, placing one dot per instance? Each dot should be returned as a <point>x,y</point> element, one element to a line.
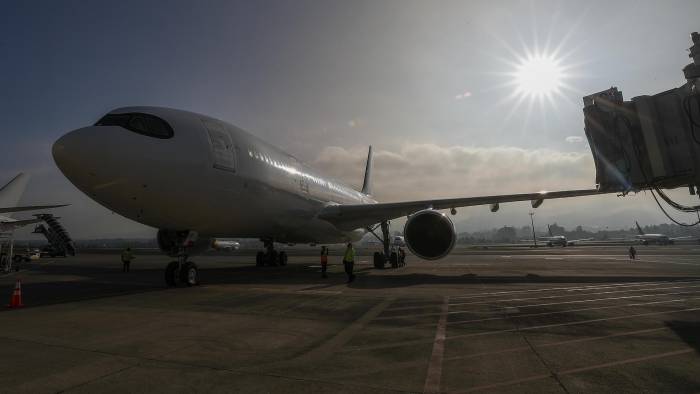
<point>169,242</point>
<point>429,234</point>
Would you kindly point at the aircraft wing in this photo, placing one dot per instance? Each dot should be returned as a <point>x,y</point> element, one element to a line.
<point>30,208</point>
<point>14,224</point>
<point>363,215</point>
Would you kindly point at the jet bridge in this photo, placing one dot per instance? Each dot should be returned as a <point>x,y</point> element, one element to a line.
<point>56,234</point>
<point>650,142</point>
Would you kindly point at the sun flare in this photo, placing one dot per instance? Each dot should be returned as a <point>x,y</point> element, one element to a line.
<point>538,76</point>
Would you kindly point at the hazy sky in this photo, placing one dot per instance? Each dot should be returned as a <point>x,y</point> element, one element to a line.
<point>426,83</point>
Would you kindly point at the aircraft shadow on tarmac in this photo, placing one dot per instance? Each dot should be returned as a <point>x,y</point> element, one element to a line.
<point>688,331</point>
<point>99,282</point>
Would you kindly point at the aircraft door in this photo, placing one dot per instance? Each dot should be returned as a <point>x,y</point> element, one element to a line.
<point>222,147</point>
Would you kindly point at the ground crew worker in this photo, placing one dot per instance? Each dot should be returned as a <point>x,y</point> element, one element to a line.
<point>324,261</point>
<point>349,262</point>
<point>402,257</point>
<point>633,253</point>
<point>127,256</point>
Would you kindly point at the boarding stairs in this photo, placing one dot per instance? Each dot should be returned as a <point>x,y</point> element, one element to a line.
<point>56,234</point>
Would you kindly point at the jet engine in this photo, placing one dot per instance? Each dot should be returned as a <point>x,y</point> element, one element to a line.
<point>169,242</point>
<point>429,234</point>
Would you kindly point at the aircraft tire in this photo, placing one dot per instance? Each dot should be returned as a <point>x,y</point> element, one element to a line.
<point>189,274</point>
<point>170,274</point>
<point>378,261</point>
<point>394,258</point>
<point>260,259</point>
<point>283,258</point>
<point>272,259</point>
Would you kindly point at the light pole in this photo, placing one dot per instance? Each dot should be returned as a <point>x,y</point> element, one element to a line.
<point>532,221</point>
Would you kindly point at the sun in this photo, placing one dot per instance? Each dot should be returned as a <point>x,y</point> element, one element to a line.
<point>539,76</point>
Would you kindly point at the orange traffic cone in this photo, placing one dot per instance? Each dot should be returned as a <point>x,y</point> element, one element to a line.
<point>16,300</point>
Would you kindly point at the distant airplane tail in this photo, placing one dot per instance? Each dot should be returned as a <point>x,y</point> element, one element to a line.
<point>367,183</point>
<point>639,229</point>
<point>549,228</point>
<point>13,190</point>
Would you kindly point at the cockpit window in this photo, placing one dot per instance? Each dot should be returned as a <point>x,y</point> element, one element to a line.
<point>145,124</point>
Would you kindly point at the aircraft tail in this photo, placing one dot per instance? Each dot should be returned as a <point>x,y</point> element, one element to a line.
<point>367,184</point>
<point>13,190</point>
<point>549,228</point>
<point>639,229</point>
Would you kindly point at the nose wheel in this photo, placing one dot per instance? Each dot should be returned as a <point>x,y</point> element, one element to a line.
<point>181,273</point>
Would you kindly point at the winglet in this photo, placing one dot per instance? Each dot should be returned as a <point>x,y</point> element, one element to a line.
<point>367,184</point>
<point>639,229</point>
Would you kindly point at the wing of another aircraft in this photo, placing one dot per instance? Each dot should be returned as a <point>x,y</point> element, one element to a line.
<point>15,224</point>
<point>30,208</point>
<point>359,215</point>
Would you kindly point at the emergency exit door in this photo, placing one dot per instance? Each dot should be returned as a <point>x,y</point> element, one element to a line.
<point>222,148</point>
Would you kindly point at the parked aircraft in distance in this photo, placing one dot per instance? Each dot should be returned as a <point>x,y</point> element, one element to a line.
<point>659,239</point>
<point>195,177</point>
<point>560,240</point>
<point>9,198</point>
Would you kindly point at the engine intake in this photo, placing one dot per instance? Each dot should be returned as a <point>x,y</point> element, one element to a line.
<point>429,234</point>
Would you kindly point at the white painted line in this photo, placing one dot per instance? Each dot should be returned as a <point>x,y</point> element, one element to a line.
<point>434,374</point>
<point>568,311</point>
<point>576,370</point>
<point>572,323</point>
<point>574,295</point>
<point>559,343</point>
<point>543,304</point>
<point>576,288</point>
<point>504,331</point>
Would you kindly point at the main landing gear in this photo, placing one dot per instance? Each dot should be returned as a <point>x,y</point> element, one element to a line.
<point>391,257</point>
<point>270,256</point>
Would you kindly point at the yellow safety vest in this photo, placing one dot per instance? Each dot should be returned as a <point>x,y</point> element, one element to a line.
<point>349,254</point>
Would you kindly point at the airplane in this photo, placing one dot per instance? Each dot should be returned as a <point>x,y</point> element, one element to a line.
<point>659,239</point>
<point>560,239</point>
<point>194,177</point>
<point>9,197</point>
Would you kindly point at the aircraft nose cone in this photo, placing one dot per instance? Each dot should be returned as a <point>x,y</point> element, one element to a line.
<point>65,151</point>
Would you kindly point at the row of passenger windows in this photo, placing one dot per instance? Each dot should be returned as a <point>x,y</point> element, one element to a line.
<point>145,124</point>
<point>307,177</point>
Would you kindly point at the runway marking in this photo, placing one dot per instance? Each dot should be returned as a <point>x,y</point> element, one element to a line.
<point>544,304</point>
<point>554,258</point>
<point>657,262</point>
<point>572,288</point>
<point>558,343</point>
<point>576,370</point>
<point>568,311</point>
<point>571,295</point>
<point>434,374</point>
<point>496,332</point>
<point>572,323</point>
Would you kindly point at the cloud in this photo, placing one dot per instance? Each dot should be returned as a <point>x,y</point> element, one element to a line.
<point>463,95</point>
<point>430,171</point>
<point>574,139</point>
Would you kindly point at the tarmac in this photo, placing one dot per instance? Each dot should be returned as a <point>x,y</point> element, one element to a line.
<point>561,320</point>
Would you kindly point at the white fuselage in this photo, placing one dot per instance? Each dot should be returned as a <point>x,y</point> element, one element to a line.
<point>210,177</point>
<point>554,240</point>
<point>653,238</point>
